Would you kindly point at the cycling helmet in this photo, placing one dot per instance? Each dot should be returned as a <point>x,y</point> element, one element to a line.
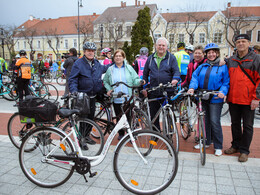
<point>105,51</point>
<point>22,52</point>
<point>17,56</point>
<point>89,45</point>
<point>190,47</point>
<point>144,51</point>
<point>211,46</point>
<point>138,55</point>
<point>180,44</point>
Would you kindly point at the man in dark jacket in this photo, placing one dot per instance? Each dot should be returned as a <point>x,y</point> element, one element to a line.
<point>85,77</point>
<point>162,67</point>
<point>68,66</point>
<point>244,95</point>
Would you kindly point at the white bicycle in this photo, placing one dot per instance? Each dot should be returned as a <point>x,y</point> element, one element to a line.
<point>144,162</point>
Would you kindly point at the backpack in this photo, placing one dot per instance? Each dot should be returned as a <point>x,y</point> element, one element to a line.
<point>25,71</point>
<point>141,63</point>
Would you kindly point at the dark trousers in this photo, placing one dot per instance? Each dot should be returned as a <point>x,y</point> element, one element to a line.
<point>85,129</point>
<point>154,107</point>
<point>241,139</point>
<point>118,111</point>
<point>22,86</point>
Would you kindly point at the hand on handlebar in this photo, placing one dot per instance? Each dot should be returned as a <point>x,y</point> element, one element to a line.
<point>221,95</point>
<point>174,82</point>
<point>109,93</point>
<point>190,91</point>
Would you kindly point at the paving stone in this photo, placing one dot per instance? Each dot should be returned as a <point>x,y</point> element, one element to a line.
<point>185,192</point>
<point>254,176</point>
<point>237,168</point>
<point>242,183</point>
<point>78,189</point>
<point>206,179</point>
<point>189,177</point>
<point>189,185</point>
<point>191,170</point>
<point>222,173</point>
<point>224,189</point>
<point>206,187</point>
<point>112,192</point>
<point>102,182</point>
<point>224,181</point>
<point>221,167</point>
<point>255,183</point>
<point>94,190</point>
<point>206,172</point>
<point>243,191</point>
<point>239,175</point>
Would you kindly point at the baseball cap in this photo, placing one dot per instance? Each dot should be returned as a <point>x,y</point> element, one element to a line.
<point>242,36</point>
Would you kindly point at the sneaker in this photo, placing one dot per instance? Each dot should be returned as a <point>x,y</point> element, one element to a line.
<point>89,140</point>
<point>230,150</point>
<point>218,152</point>
<point>243,157</point>
<point>197,147</point>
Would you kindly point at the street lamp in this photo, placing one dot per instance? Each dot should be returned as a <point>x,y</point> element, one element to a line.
<point>101,36</point>
<point>79,5</point>
<point>3,45</point>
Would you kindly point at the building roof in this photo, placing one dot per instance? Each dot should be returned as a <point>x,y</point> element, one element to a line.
<point>60,26</point>
<point>123,13</point>
<point>191,16</point>
<point>242,11</point>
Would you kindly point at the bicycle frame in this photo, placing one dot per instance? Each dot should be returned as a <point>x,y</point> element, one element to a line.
<point>96,160</point>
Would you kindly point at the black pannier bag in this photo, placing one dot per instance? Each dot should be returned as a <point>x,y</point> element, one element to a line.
<point>82,103</point>
<point>39,109</point>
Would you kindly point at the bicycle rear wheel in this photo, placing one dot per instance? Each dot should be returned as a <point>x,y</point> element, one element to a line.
<point>202,140</point>
<point>17,130</point>
<point>145,178</point>
<point>170,129</point>
<point>39,166</point>
<point>61,80</point>
<point>48,77</point>
<point>139,120</point>
<point>49,92</point>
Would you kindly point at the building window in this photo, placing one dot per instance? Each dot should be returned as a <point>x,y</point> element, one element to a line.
<point>171,38</point>
<point>258,36</point>
<point>217,37</point>
<point>24,44</point>
<point>111,32</point>
<point>120,30</point>
<point>18,45</point>
<point>128,31</point>
<point>157,36</point>
<point>181,38</point>
<point>58,44</point>
<point>75,43</point>
<point>202,38</point>
<point>66,44</point>
<point>249,33</point>
<point>38,44</point>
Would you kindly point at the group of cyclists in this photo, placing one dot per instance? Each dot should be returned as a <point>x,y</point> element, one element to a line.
<point>236,79</point>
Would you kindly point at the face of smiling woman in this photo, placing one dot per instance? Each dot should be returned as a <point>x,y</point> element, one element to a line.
<point>211,55</point>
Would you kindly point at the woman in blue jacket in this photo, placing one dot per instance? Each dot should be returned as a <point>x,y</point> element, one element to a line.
<point>212,76</point>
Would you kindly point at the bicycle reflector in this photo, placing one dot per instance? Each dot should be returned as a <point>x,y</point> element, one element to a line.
<point>134,182</point>
<point>33,171</point>
<point>63,147</point>
<point>153,143</point>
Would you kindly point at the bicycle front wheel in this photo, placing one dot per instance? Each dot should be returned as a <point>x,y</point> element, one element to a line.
<point>17,130</point>
<point>202,140</point>
<point>170,128</point>
<point>61,80</point>
<point>140,120</point>
<point>42,167</point>
<point>49,92</point>
<point>134,173</point>
<point>48,78</point>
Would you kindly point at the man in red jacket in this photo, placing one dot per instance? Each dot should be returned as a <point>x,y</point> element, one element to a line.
<point>244,95</point>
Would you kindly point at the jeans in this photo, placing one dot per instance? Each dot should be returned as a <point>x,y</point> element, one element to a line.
<point>212,123</point>
<point>241,139</point>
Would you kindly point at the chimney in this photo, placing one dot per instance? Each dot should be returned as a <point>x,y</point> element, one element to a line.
<point>143,2</point>
<point>138,3</point>
<point>135,3</point>
<point>94,14</point>
<point>122,4</point>
<point>31,17</point>
<point>229,4</point>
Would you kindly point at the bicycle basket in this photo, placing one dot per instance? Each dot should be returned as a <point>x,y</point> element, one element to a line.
<point>40,109</point>
<point>82,103</point>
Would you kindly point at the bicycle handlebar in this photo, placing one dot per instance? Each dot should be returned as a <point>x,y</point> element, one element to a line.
<point>121,82</point>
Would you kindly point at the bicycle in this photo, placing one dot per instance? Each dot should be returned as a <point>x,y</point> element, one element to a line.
<point>104,112</point>
<point>61,79</point>
<point>188,120</point>
<point>56,156</point>
<point>6,90</point>
<point>169,127</point>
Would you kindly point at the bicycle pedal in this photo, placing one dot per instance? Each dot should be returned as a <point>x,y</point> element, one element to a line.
<point>92,174</point>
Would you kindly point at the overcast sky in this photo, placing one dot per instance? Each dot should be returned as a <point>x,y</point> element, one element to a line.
<point>16,12</point>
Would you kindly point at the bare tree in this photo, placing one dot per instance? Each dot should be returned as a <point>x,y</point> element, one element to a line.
<point>234,23</point>
<point>9,32</point>
<point>85,28</point>
<point>53,40</point>
<point>29,35</point>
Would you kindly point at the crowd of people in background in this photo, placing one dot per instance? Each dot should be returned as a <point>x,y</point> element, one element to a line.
<point>237,78</point>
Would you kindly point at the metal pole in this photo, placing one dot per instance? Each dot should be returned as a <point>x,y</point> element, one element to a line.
<point>78,32</point>
<point>3,44</point>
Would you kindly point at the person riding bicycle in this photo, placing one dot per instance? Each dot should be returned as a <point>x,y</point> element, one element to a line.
<point>106,52</point>
<point>24,74</point>
<point>85,77</point>
<point>212,76</point>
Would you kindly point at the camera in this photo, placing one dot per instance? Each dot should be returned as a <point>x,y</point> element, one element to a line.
<point>65,55</point>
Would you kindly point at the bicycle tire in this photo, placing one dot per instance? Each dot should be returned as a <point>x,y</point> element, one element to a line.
<point>103,117</point>
<point>93,150</point>
<point>202,140</point>
<point>170,129</point>
<point>61,81</point>
<point>139,119</point>
<point>7,92</point>
<point>49,92</point>
<point>184,120</point>
<point>48,77</point>
<point>34,165</point>
<point>145,178</point>
<point>17,130</point>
